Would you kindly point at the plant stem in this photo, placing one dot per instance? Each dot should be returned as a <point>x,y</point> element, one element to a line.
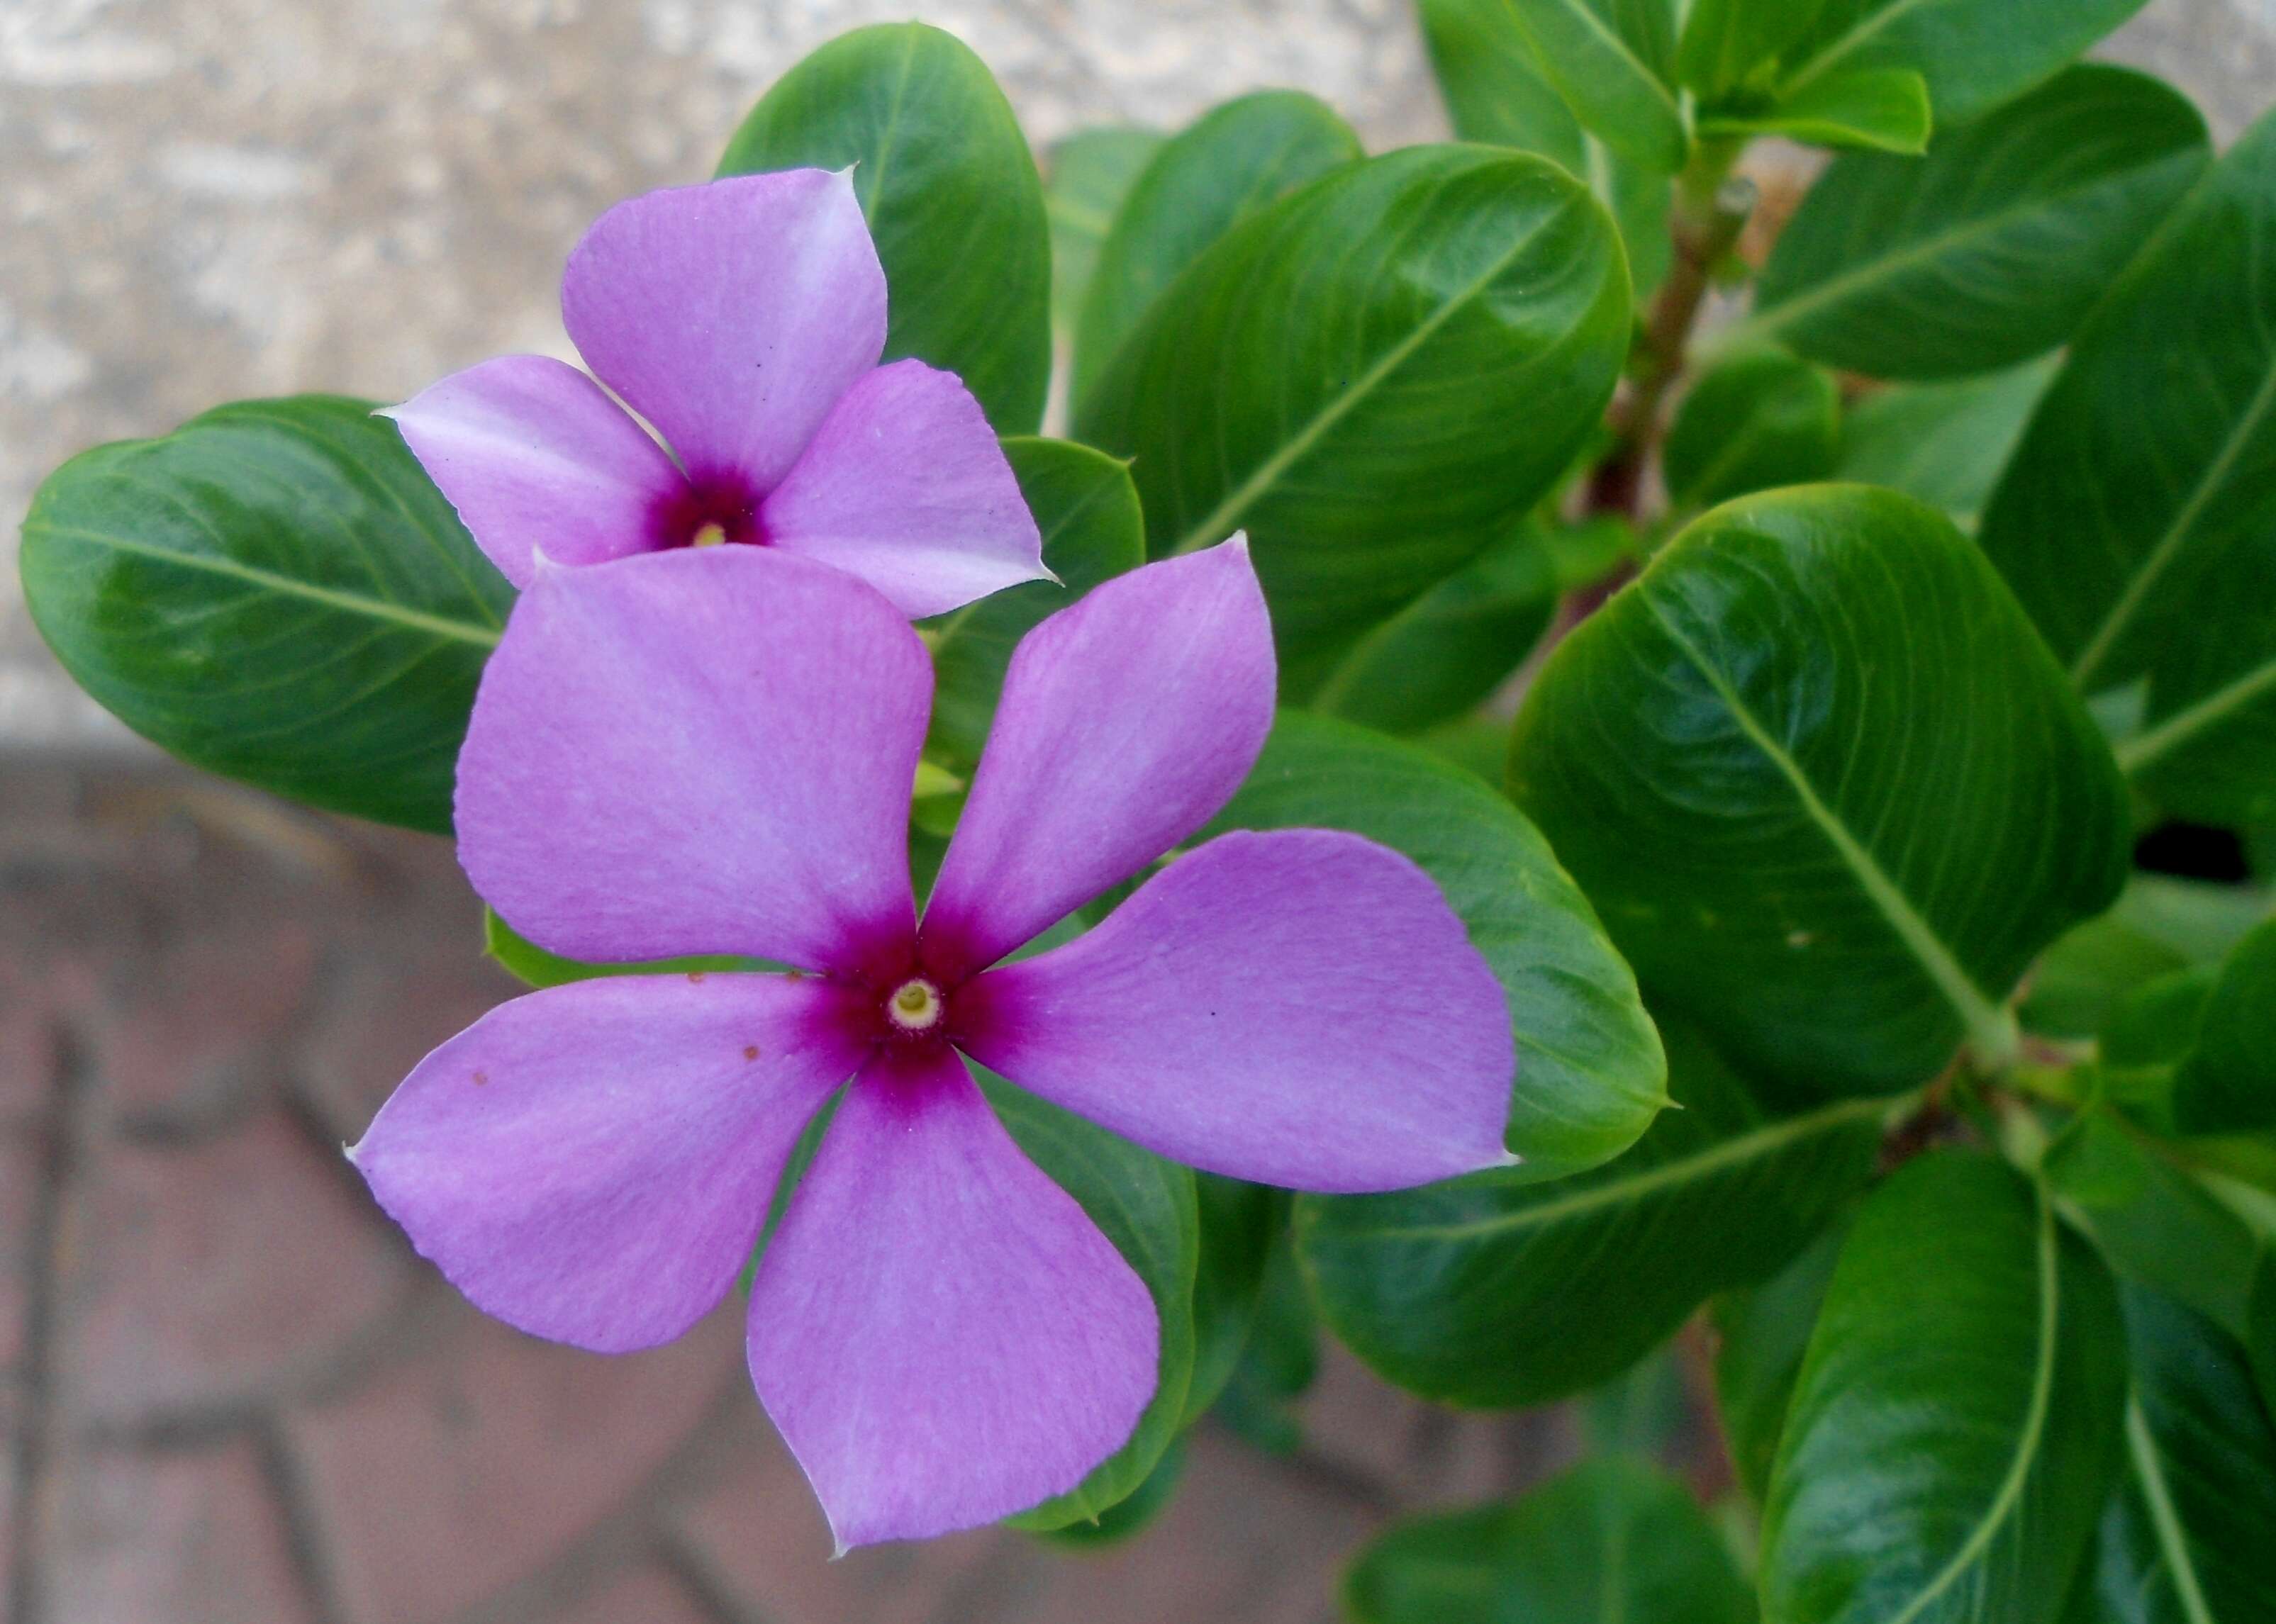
<point>1712,207</point>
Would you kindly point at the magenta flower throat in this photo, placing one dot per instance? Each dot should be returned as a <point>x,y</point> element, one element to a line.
<point>711,752</point>
<point>744,319</point>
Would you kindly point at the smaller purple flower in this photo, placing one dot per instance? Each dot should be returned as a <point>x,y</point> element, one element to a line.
<point>744,319</point>
<point>712,753</point>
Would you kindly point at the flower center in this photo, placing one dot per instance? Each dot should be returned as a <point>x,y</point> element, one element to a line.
<point>915,1006</point>
<point>707,511</point>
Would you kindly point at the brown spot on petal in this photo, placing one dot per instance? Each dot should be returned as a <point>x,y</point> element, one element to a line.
<point>481,1077</point>
<point>695,976</point>
<point>750,1051</point>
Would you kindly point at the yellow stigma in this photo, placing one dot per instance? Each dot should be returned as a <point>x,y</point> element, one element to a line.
<point>709,534</point>
<point>915,1006</point>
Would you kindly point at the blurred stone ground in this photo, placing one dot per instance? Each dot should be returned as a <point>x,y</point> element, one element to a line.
<point>234,1396</point>
<point>228,1391</point>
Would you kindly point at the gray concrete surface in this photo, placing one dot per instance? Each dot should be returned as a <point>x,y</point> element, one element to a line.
<point>202,199</point>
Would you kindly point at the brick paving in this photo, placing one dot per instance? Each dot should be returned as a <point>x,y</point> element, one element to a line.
<point>231,1394</point>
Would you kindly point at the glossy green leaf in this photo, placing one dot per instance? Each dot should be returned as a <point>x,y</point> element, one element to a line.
<point>1448,650</point>
<point>1590,1075</point>
<point>1236,160</point>
<point>1761,1336</point>
<point>1339,377</point>
<point>1610,1542</point>
<point>1613,61</point>
<point>2260,1329</point>
<point>949,186</point>
<point>1946,443</point>
<point>2187,1540</point>
<point>1825,785</point>
<point>2160,924</point>
<point>2137,521</point>
<point>1974,54</point>
<point>524,959</point>
<point>1496,93</point>
<point>1993,248</point>
<point>1091,172</point>
<point>1882,110</point>
<point>2155,1224</point>
<point>1493,1290</point>
<point>276,592</point>
<point>1725,44</point>
<point>1955,1427</point>
<point>1087,509</point>
<point>1753,422</point>
<point>1147,1207</point>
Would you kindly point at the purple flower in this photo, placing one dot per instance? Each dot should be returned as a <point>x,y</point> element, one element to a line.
<point>712,751</point>
<point>744,319</point>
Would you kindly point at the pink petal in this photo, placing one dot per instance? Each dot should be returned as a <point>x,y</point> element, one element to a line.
<point>906,486</point>
<point>592,1163</point>
<point>1300,1008</point>
<point>941,1336</point>
<point>533,454</point>
<point>1127,720</point>
<point>703,751</point>
<point>732,314</point>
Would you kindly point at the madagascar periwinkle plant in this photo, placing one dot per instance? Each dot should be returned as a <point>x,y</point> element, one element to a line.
<point>1759,823</point>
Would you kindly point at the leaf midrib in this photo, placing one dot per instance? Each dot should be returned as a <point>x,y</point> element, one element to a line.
<point>1224,517</point>
<point>2147,748</point>
<point>1842,46</point>
<point>2160,558</point>
<point>1775,317</point>
<point>1989,1026</point>
<point>1736,1151</point>
<point>2035,1421</point>
<point>1596,25</point>
<point>2165,1519</point>
<point>373,609</point>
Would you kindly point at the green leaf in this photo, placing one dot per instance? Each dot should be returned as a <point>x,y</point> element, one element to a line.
<point>1955,1427</point>
<point>2186,1537</point>
<point>1133,1513</point>
<point>2155,1224</point>
<point>1239,1223</point>
<point>1825,785</point>
<point>1610,1542</point>
<point>2138,519</point>
<point>1591,1074</point>
<point>1497,94</point>
<point>1761,1336</point>
<point>1091,172</point>
<point>1884,110</point>
<point>2160,924</point>
<point>1613,61</point>
<point>1946,443</point>
<point>1087,509</point>
<point>1993,248</point>
<point>1235,161</point>
<point>523,958</point>
<point>1974,54</point>
<point>949,186</point>
<point>1280,1362</point>
<point>1448,650</point>
<point>1147,1207</point>
<point>1496,90</point>
<point>1755,421</point>
<point>1339,376</point>
<point>2228,1083</point>
<point>1725,44</point>
<point>1493,1290</point>
<point>274,591</point>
